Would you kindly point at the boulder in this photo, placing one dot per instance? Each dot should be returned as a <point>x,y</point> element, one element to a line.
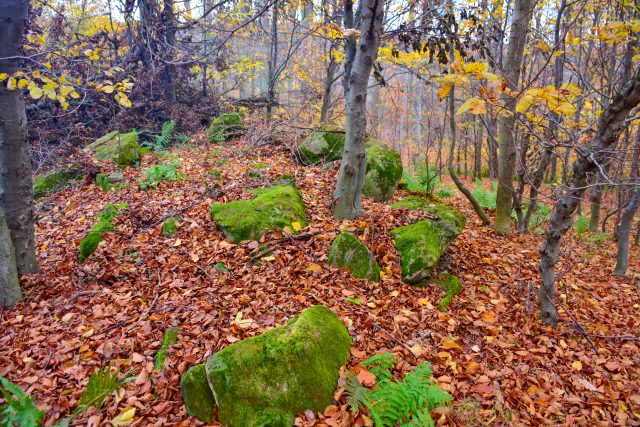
<point>198,398</point>
<point>107,182</point>
<point>92,239</point>
<point>322,145</point>
<point>267,379</point>
<point>449,216</point>
<point>347,251</point>
<point>273,207</point>
<point>225,127</point>
<point>421,244</point>
<point>384,171</point>
<point>55,181</point>
<point>120,148</point>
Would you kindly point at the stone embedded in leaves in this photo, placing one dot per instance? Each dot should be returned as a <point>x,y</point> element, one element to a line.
<point>441,212</point>
<point>90,242</point>
<point>384,171</point>
<point>421,244</point>
<point>169,227</point>
<point>225,127</point>
<point>267,379</point>
<point>347,251</point>
<point>322,145</point>
<point>272,208</point>
<point>55,181</point>
<point>198,398</point>
<point>120,148</point>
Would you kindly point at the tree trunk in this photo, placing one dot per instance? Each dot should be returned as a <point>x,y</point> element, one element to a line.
<point>169,29</point>
<point>273,61</point>
<point>347,198</point>
<point>10,291</point>
<point>506,148</point>
<point>328,84</point>
<point>610,125</point>
<point>624,231</point>
<point>15,165</point>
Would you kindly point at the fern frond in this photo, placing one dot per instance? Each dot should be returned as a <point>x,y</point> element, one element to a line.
<point>102,384</point>
<point>356,392</point>
<point>381,365</point>
<point>19,409</point>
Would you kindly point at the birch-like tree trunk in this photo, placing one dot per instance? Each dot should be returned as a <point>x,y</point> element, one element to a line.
<point>507,149</point>
<point>9,284</point>
<point>15,165</point>
<point>586,167</point>
<point>347,198</point>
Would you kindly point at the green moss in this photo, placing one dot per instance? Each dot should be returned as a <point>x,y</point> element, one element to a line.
<point>451,284</point>
<point>92,239</point>
<point>169,338</point>
<point>216,173</point>
<point>225,127</point>
<point>120,148</point>
<point>285,179</point>
<point>267,379</point>
<point>384,171</point>
<point>347,251</point>
<point>169,227</point>
<point>322,145</point>
<point>54,181</point>
<point>107,182</point>
<point>273,207</point>
<point>260,166</point>
<point>198,398</point>
<point>449,216</point>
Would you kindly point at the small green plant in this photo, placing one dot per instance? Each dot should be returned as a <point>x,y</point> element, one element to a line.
<point>216,173</point>
<point>169,338</point>
<point>486,198</point>
<point>92,239</point>
<point>221,267</point>
<point>154,175</point>
<point>445,193</point>
<point>167,137</point>
<point>260,166</point>
<point>169,227</point>
<point>392,402</point>
<point>19,410</point>
<point>424,181</point>
<point>581,225</point>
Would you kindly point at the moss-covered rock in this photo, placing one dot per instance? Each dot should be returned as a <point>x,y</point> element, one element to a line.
<point>198,398</point>
<point>444,213</point>
<point>452,286</point>
<point>322,145</point>
<point>267,379</point>
<point>169,338</point>
<point>169,227</point>
<point>120,148</point>
<point>347,251</point>
<point>90,242</point>
<point>55,181</point>
<point>273,207</point>
<point>384,171</point>
<point>107,182</point>
<point>225,127</point>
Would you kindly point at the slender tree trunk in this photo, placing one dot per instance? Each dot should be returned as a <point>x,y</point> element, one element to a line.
<point>624,231</point>
<point>610,125</point>
<point>506,148</point>
<point>169,30</point>
<point>347,198</point>
<point>478,154</point>
<point>273,61</point>
<point>15,165</point>
<point>328,84</point>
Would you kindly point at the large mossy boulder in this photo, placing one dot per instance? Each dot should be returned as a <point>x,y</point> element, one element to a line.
<point>120,148</point>
<point>272,208</point>
<point>225,127</point>
<point>55,181</point>
<point>384,171</point>
<point>347,251</point>
<point>324,144</point>
<point>445,214</point>
<point>267,379</point>
<point>198,398</point>
<point>421,244</point>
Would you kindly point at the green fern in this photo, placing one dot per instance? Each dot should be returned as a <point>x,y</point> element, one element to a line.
<point>19,410</point>
<point>165,137</point>
<point>154,175</point>
<point>102,384</point>
<point>406,403</point>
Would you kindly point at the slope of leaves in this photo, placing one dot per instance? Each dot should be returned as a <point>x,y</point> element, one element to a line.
<point>488,350</point>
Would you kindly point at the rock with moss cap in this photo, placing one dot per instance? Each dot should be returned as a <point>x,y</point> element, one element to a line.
<point>120,148</point>
<point>198,398</point>
<point>384,171</point>
<point>92,239</point>
<point>225,127</point>
<point>324,144</point>
<point>55,181</point>
<point>421,244</point>
<point>268,379</point>
<point>272,208</point>
<point>347,251</point>
<point>447,215</point>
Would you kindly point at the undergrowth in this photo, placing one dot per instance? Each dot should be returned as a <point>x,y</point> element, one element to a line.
<point>408,402</point>
<point>154,175</point>
<point>486,198</point>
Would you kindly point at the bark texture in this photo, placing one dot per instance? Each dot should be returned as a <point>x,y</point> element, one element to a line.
<point>9,284</point>
<point>347,198</point>
<point>15,165</point>
<point>585,168</point>
<point>507,148</point>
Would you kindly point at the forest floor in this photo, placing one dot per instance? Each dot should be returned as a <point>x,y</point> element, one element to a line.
<point>489,350</point>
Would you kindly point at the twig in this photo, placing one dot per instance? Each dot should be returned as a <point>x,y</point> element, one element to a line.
<point>280,241</point>
<point>153,303</point>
